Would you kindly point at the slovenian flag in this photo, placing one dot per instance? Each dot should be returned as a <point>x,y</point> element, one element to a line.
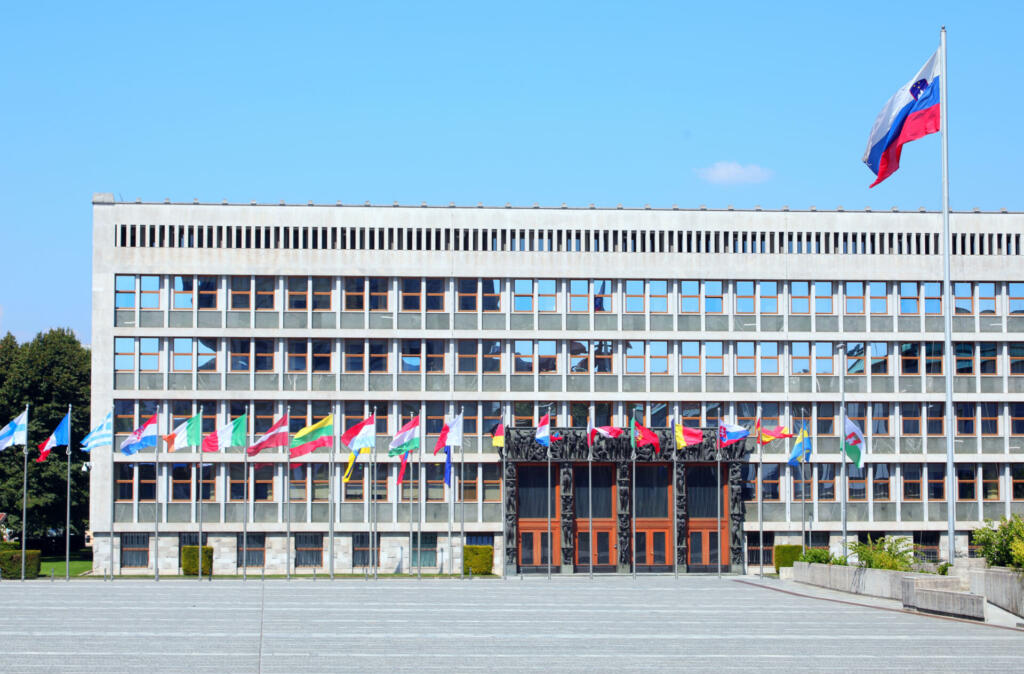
<point>729,434</point>
<point>801,448</point>
<point>912,112</point>
<point>60,436</point>
<point>142,437</point>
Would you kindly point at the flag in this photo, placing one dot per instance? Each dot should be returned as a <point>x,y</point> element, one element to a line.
<point>189,433</point>
<point>401,469</point>
<point>360,439</point>
<point>498,435</point>
<point>688,436</point>
<point>448,465</point>
<point>16,432</point>
<point>769,434</point>
<point>911,113</point>
<point>455,431</point>
<point>801,448</point>
<point>276,436</point>
<point>101,436</point>
<point>60,436</point>
<point>407,439</point>
<point>142,437</point>
<point>604,431</point>
<point>543,433</point>
<point>729,434</point>
<point>320,434</point>
<point>640,435</point>
<point>853,443</point>
<point>231,435</point>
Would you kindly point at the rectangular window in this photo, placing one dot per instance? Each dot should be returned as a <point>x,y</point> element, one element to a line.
<point>800,297</point>
<point>378,294</point>
<point>963,298</point>
<point>147,482</point>
<point>880,482</point>
<point>801,478</point>
<point>322,293</point>
<point>966,483</point>
<point>990,414</point>
<point>770,481</point>
<point>181,482</point>
<point>910,414</point>
<point>237,482</point>
<point>933,358</point>
<point>936,482</point>
<point>378,355</point>
<point>363,554</point>
<point>240,293</point>
<point>207,292</point>
<point>425,550</point>
<point>522,295</point>
<point>936,418</point>
<point>297,355</point>
<point>309,550</point>
<point>826,418</point>
<point>713,293</point>
<point>255,548</point>
<point>800,358</point>
<point>125,481</point>
<point>491,482</point>
<point>1016,295</point>
<point>658,357</point>
<point>879,298</point>
<point>744,297</point>
<point>490,355</point>
<point>1016,418</point>
<point>466,291</point>
<point>911,481</point>
<point>714,358</point>
<point>435,294</point>
<point>603,297</point>
<point>412,294</point>
<point>745,361</point>
<point>434,351</point>
<point>466,356</point>
<point>932,298</point>
<point>1017,481</point>
<point>579,356</point>
<point>855,357</point>
<point>988,358</point>
<point>547,356</point>
<point>986,298</point>
<point>322,355</point>
<point>689,357</point>
<point>124,354</point>
<point>355,293</point>
<point>879,358</point>
<point>604,351</point>
<point>826,482</point>
<point>134,550</point>
<point>801,413</point>
<point>149,354</point>
<point>355,355</point>
<point>149,292</point>
<point>658,296</point>
<point>635,303</point>
<point>411,350</point>
<point>183,293</point>
<point>265,291</point>
<point>854,291</point>
<point>909,299</point>
<point>263,483</point>
<point>522,350</point>
<point>264,355</point>
<point>206,355</point>
<point>880,418</point>
<point>689,297</point>
<point>823,359</point>
<point>856,479</point>
<point>634,354</point>
<point>769,297</point>
<point>469,483</point>
<point>963,358</point>
<point>990,482</point>
<point>579,296</point>
<point>490,296</point>
<point>823,297</point>
<point>910,358</point>
<point>124,292</point>
<point>435,483</point>
<point>547,296</point>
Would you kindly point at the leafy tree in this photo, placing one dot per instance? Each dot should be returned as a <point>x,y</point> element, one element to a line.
<point>1002,543</point>
<point>888,552</point>
<point>48,373</point>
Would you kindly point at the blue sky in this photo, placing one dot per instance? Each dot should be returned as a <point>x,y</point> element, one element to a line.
<point>738,104</point>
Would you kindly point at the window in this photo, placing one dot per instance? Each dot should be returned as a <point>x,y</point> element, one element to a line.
<point>749,481</point>
<point>466,294</point>
<point>309,550</point>
<point>602,297</point>
<point>355,293</point>
<point>425,550</point>
<point>879,297</point>
<point>910,414</point>
<point>855,358</point>
<point>240,293</point>
<point>933,358</point>
<point>579,296</point>
<point>689,357</point>
<point>823,362</point>
<point>363,554</point>
<point>547,356</point>
<point>713,303</point>
<point>880,419</point>
<point>801,413</point>
<point>911,481</point>
<point>714,358</point>
<point>410,358</point>
<point>254,547</point>
<point>264,357</point>
<point>379,491</point>
<point>936,482</point>
<point>149,292</point>
<point>469,483</point>
<point>378,294</point>
<point>990,482</point>
<point>689,297</point>
<point>134,550</point>
<point>989,418</point>
<point>466,356</point>
<point>579,356</point>
<point>801,482</point>
<point>206,476</point>
<point>149,354</point>
<point>492,415</point>
<point>635,297</point>
<point>634,350</point>
<point>936,418</point>
<point>933,297</point>
<point>491,294</point>
<point>826,482</point>
<point>826,418</point>
<point>988,355</point>
<point>181,482</point>
<point>355,489</point>
<point>522,350</point>
<point>434,350</point>
<point>410,488</point>
<point>604,351</point>
<point>182,295</point>
<point>265,286</point>
<point>857,413</point>
<point>321,355</point>
<point>435,294</point>
<point>823,297</point>
<point>321,293</point>
<point>1017,481</point>
<point>297,482</point>
<point>206,356</point>
<point>963,299</point>
<point>909,299</point>
<point>263,483</point>
<point>880,482</point>
<point>854,292</point>
<point>125,481</point>
<point>490,355</point>
<point>800,358</point>
<point>658,357</point>
<point>434,421</point>
<point>297,355</point>
<point>412,294</point>
<point>1016,292</point>
<point>966,483</point>
<point>124,292</point>
<point>124,354</point>
<point>1016,351</point>
<point>986,298</point>
<point>147,481</point>
<point>237,482</point>
<point>800,297</point>
<point>746,415</point>
<point>745,361</point>
<point>910,359</point>
<point>963,357</point>
<point>856,479</point>
<point>522,414</point>
<point>547,296</point>
<point>378,355</point>
<point>879,358</point>
<point>355,355</point>
<point>1017,418</point>
<point>207,292</point>
<point>658,292</point>
<point>435,482</point>
<point>769,297</point>
<point>744,297</point>
<point>263,416</point>
<point>770,481</point>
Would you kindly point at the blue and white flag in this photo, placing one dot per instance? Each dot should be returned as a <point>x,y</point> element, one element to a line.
<point>101,436</point>
<point>16,432</point>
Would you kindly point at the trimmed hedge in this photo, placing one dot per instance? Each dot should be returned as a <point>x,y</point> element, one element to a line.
<point>10,563</point>
<point>190,563</point>
<point>478,559</point>
<point>785,555</point>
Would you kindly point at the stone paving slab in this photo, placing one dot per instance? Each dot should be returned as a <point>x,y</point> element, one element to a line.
<point>611,623</point>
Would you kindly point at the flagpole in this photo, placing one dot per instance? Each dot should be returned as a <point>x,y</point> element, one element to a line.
<point>462,510</point>
<point>718,502</point>
<point>67,524</point>
<point>156,506</point>
<point>632,430</point>
<point>590,503</point>
<point>501,454</point>
<point>675,533</point>
<point>551,545</point>
<point>113,495</point>
<point>373,502</point>
<point>421,483</point>
<point>760,502</point>
<point>24,495</point>
<point>948,313</point>
<point>199,502</point>
<point>245,507</point>
<point>330,506</point>
<point>288,517</point>
<point>842,438</point>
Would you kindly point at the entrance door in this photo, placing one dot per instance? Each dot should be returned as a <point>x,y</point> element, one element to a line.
<point>595,534</point>
<point>538,548</point>
<point>706,539</point>
<point>534,548</point>
<point>653,534</point>
<point>605,551</point>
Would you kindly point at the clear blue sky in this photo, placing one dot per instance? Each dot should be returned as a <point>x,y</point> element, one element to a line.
<point>630,103</point>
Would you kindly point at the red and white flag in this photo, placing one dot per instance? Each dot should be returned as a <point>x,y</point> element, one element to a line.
<point>604,431</point>
<point>276,436</point>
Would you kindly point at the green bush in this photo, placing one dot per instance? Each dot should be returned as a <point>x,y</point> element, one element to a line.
<point>888,552</point>
<point>785,555</point>
<point>10,545</point>
<point>943,569</point>
<point>478,559</point>
<point>1002,544</point>
<point>10,563</point>
<point>190,563</point>
<point>816,556</point>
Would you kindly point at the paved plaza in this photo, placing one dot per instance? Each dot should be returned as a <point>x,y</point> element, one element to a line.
<point>563,624</point>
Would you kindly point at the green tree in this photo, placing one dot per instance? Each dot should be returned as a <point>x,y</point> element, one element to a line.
<point>48,373</point>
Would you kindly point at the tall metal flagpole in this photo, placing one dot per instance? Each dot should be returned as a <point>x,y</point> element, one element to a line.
<point>718,500</point>
<point>675,530</point>
<point>245,507</point>
<point>24,496</point>
<point>199,505</point>
<point>590,505</point>
<point>548,498</point>
<point>760,503</point>
<point>113,482</point>
<point>288,517</point>
<point>330,506</point>
<point>462,510</point>
<point>632,428</point>
<point>421,483</point>
<point>451,513</point>
<point>156,507</point>
<point>948,313</point>
<point>67,524</point>
<point>842,438</point>
<point>374,552</point>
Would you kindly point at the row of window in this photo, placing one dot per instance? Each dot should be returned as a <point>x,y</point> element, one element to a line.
<point>878,419</point>
<point>635,296</point>
<point>307,482</point>
<point>822,482</point>
<point>552,356</point>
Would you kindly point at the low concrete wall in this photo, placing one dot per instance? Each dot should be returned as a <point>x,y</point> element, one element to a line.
<point>855,579</point>
<point>942,595</point>
<point>1001,586</point>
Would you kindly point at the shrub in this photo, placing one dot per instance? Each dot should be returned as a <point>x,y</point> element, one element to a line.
<point>943,569</point>
<point>1002,544</point>
<point>888,552</point>
<point>816,556</point>
<point>10,563</point>
<point>839,560</point>
<point>785,555</point>
<point>190,563</point>
<point>10,545</point>
<point>478,559</point>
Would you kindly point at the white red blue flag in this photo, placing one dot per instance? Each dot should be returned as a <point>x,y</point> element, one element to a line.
<point>911,113</point>
<point>730,433</point>
<point>60,436</point>
<point>142,437</point>
<point>543,436</point>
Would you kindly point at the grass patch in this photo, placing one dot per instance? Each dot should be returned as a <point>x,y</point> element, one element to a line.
<point>80,563</point>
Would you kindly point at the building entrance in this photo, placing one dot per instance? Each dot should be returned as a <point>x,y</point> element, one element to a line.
<point>706,539</point>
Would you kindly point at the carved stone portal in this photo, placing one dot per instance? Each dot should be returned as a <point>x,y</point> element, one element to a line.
<point>511,479</point>
<point>568,514</point>
<point>681,514</point>
<point>736,513</point>
<point>625,516</point>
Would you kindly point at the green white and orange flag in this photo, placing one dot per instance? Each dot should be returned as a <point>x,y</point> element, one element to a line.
<point>188,433</point>
<point>231,435</point>
<point>320,434</point>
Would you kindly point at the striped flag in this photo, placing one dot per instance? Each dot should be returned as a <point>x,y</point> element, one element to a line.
<point>276,436</point>
<point>60,436</point>
<point>101,436</point>
<point>320,434</point>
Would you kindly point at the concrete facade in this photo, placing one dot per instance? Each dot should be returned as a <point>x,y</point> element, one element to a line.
<point>177,288</point>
